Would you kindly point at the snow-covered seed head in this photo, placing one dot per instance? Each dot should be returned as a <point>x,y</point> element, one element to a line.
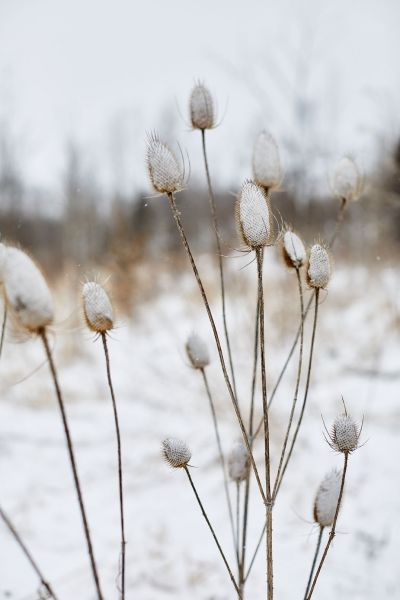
<point>176,452</point>
<point>201,108</point>
<point>327,498</point>
<point>347,180</point>
<point>294,251</point>
<point>197,352</point>
<point>164,170</point>
<point>254,216</point>
<point>97,307</point>
<point>26,290</point>
<point>319,267</point>
<point>238,462</point>
<point>345,434</point>
<point>267,170</point>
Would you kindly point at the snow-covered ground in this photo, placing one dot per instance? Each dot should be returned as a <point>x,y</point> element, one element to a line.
<point>170,553</point>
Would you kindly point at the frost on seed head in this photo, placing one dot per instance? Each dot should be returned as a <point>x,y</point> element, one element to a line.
<point>327,498</point>
<point>201,108</point>
<point>345,434</point>
<point>197,352</point>
<point>294,251</point>
<point>238,462</point>
<point>164,170</point>
<point>347,180</point>
<point>267,170</point>
<point>176,452</point>
<point>26,291</point>
<point>97,307</point>
<point>319,267</point>
<point>254,216</point>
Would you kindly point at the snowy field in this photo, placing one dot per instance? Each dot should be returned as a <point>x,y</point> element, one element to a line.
<point>170,553</point>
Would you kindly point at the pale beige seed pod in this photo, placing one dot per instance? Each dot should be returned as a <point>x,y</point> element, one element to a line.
<point>26,290</point>
<point>319,267</point>
<point>197,352</point>
<point>165,172</point>
<point>347,180</point>
<point>254,216</point>
<point>327,498</point>
<point>294,251</point>
<point>97,307</point>
<point>345,434</point>
<point>201,107</point>
<point>176,452</point>
<point>267,170</point>
<point>238,462</point>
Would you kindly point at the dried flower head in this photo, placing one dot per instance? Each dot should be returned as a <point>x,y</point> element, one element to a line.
<point>201,108</point>
<point>197,352</point>
<point>345,434</point>
<point>347,180</point>
<point>254,216</point>
<point>319,267</point>
<point>238,462</point>
<point>26,291</point>
<point>267,170</point>
<point>176,452</point>
<point>97,307</point>
<point>294,251</point>
<point>164,170</point>
<point>327,498</point>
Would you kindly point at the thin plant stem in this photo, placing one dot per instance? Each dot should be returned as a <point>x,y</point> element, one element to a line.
<point>119,451</point>
<point>214,215</point>
<point>237,522</point>
<point>296,392</point>
<point>221,458</point>
<point>185,242</point>
<point>46,585</point>
<point>333,528</point>
<point>253,558</point>
<point>314,562</point>
<point>212,532</point>
<point>43,335</point>
<point>268,504</point>
<point>306,390</point>
<point>3,327</point>
<point>339,221</point>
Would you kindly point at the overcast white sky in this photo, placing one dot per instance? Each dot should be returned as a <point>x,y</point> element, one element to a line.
<point>106,71</point>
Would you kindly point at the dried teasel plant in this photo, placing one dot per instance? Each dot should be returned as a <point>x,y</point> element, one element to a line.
<point>164,170</point>
<point>197,351</point>
<point>319,267</point>
<point>201,108</point>
<point>347,180</point>
<point>267,170</point>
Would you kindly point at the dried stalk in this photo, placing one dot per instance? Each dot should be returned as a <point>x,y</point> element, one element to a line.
<point>3,327</point>
<point>314,562</point>
<point>119,451</point>
<point>43,335</point>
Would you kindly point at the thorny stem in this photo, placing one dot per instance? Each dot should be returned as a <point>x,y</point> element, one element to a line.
<point>213,533</point>
<point>27,554</point>
<point>306,390</point>
<point>119,450</point>
<point>43,335</point>
<point>268,504</point>
<point>296,392</point>
<point>185,242</point>
<point>3,327</point>
<point>333,529</point>
<point>221,458</point>
<point>220,261</point>
<point>314,562</point>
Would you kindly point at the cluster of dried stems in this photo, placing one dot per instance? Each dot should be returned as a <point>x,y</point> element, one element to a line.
<point>28,300</point>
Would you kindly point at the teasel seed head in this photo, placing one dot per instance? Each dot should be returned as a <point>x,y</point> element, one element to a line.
<point>267,170</point>
<point>319,267</point>
<point>238,462</point>
<point>165,172</point>
<point>327,498</point>
<point>344,435</point>
<point>294,251</point>
<point>176,452</point>
<point>254,216</point>
<point>26,290</point>
<point>201,107</point>
<point>347,180</point>
<point>197,352</point>
<point>97,307</point>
